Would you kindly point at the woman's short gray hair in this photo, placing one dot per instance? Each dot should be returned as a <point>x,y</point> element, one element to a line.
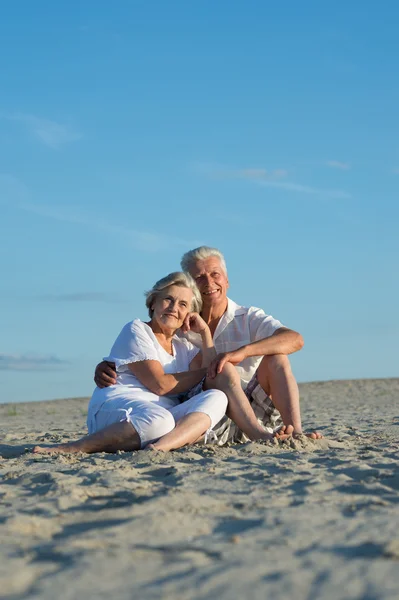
<point>192,256</point>
<point>176,278</point>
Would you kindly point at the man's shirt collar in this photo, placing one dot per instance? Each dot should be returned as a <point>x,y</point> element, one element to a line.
<point>233,310</point>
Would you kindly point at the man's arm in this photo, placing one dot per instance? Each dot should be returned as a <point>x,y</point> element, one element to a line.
<point>105,374</point>
<point>282,341</point>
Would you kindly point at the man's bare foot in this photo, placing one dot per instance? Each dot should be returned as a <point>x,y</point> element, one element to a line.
<point>284,433</point>
<point>265,437</point>
<point>287,431</point>
<point>314,435</point>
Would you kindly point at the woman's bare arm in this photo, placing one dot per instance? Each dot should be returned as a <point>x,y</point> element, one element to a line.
<point>152,375</point>
<point>208,349</point>
<point>197,324</point>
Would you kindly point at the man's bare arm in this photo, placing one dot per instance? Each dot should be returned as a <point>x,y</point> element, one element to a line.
<point>105,374</point>
<point>282,341</point>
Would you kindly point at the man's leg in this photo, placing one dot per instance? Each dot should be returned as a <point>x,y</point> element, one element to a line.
<point>239,408</point>
<point>275,376</point>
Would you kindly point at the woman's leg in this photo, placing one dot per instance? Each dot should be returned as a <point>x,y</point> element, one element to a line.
<point>193,418</point>
<point>239,408</point>
<point>118,436</point>
<point>187,431</point>
<point>117,428</point>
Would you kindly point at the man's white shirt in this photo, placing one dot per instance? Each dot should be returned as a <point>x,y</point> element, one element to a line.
<point>238,327</point>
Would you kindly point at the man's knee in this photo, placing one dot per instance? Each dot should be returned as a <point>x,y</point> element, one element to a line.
<point>228,378</point>
<point>274,363</point>
<point>271,369</point>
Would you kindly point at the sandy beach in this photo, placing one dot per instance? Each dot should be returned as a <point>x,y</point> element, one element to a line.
<point>299,519</point>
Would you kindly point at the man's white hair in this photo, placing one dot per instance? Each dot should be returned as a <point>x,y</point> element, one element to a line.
<point>176,278</point>
<point>192,256</point>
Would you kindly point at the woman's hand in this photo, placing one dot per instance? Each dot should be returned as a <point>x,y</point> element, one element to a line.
<point>194,322</point>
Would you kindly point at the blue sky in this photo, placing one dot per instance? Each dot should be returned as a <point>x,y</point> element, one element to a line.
<point>133,131</point>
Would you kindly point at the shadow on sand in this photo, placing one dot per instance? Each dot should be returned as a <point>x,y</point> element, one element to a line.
<point>7,451</point>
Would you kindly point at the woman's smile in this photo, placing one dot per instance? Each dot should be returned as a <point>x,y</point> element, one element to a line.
<point>172,306</point>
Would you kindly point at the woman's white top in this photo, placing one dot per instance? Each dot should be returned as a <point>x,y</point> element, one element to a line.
<point>137,342</point>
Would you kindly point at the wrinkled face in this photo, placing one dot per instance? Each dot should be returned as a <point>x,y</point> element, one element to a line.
<point>171,306</point>
<point>211,280</point>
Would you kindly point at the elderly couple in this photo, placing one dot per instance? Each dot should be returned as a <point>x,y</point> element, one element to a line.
<point>202,368</point>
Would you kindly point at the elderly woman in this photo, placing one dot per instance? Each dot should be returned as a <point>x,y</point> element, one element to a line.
<point>156,370</point>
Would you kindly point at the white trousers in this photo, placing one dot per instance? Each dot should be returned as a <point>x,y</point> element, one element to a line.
<point>152,419</point>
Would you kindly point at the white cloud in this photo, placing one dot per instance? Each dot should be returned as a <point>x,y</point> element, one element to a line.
<point>252,173</point>
<point>269,179</point>
<point>15,193</point>
<point>146,241</point>
<point>306,189</point>
<point>30,362</point>
<point>83,297</point>
<point>12,189</point>
<point>261,173</point>
<point>48,132</point>
<point>336,164</point>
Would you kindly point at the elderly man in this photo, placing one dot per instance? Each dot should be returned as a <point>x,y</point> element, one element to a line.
<point>256,343</point>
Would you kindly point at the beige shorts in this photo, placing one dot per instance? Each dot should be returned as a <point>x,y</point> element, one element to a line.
<point>267,414</point>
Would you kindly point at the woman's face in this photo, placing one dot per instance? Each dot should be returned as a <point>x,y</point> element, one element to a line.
<point>171,307</point>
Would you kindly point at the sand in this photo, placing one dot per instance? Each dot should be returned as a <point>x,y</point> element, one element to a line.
<point>291,520</point>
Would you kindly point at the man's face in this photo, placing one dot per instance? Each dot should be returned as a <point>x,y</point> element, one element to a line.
<point>211,280</point>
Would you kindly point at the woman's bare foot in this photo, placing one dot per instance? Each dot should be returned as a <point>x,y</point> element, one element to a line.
<point>118,436</point>
<point>153,448</point>
<point>71,448</point>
